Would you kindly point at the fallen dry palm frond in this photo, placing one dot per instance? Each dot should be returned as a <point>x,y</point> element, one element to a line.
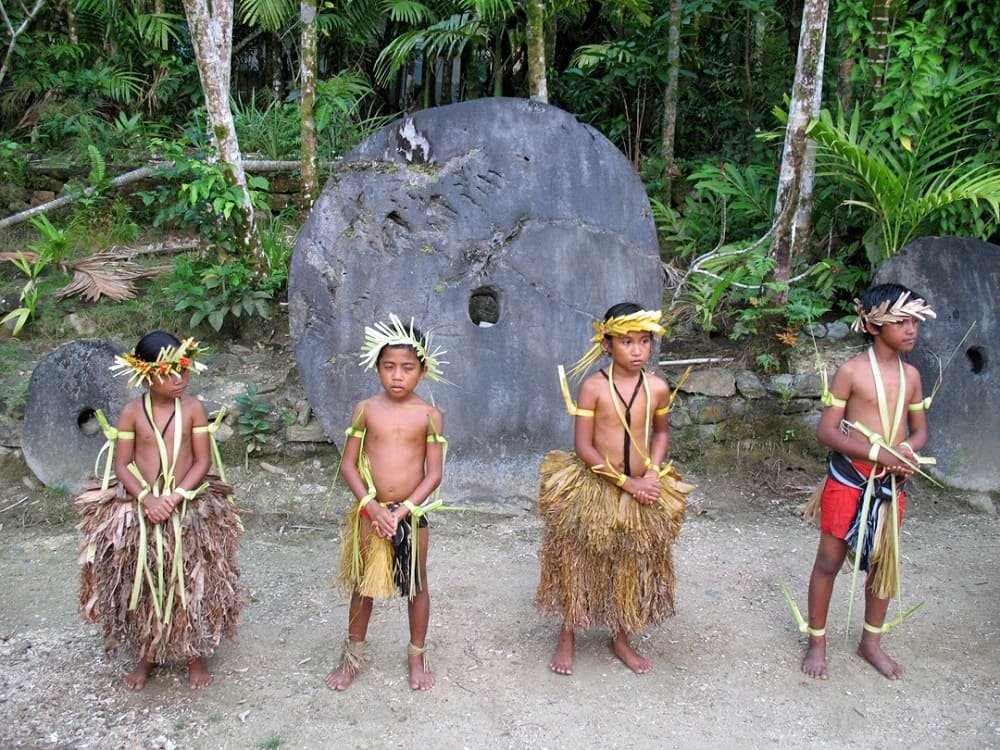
<point>106,274</point>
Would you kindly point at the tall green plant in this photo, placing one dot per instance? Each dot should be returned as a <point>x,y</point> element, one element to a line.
<point>906,182</point>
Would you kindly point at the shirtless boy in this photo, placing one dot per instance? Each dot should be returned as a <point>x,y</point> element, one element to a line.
<point>611,511</point>
<point>878,391</point>
<point>392,463</point>
<point>163,506</point>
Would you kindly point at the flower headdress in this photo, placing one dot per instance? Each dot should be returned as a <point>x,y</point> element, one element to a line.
<point>170,362</point>
<point>897,312</point>
<point>619,325</point>
<point>394,333</point>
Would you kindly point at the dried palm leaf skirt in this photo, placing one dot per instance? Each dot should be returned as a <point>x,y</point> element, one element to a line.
<point>175,624</point>
<point>606,559</point>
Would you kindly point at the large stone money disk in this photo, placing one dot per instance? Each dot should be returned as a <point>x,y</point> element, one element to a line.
<point>504,227</point>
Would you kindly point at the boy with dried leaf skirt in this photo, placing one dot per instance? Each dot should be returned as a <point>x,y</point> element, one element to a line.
<point>610,509</point>
<point>158,565</point>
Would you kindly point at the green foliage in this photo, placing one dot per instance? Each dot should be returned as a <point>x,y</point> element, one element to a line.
<point>277,238</point>
<point>216,292</point>
<point>908,181</point>
<point>192,192</point>
<point>254,420</point>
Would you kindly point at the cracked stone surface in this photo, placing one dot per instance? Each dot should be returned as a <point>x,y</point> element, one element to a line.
<point>503,226</point>
<point>960,277</point>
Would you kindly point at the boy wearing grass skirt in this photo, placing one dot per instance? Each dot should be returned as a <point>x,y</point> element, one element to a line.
<point>392,462</point>
<point>874,423</point>
<point>158,556</point>
<point>611,510</point>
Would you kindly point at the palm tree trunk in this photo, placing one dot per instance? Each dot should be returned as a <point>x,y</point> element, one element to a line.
<point>669,128</point>
<point>878,53</point>
<point>795,168</point>
<point>535,35</point>
<point>212,40</point>
<point>308,179</point>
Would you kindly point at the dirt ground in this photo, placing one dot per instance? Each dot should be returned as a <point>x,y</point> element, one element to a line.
<point>726,667</point>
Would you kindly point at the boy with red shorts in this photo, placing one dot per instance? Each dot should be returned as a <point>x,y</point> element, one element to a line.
<point>874,423</point>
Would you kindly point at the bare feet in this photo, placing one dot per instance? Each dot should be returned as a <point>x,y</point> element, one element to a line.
<point>629,656</point>
<point>871,651</point>
<point>136,679</point>
<point>198,674</point>
<point>341,677</point>
<point>562,659</point>
<point>420,678</point>
<point>814,662</point>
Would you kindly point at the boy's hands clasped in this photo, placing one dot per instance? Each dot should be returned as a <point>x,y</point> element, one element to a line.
<point>384,521</point>
<point>645,489</point>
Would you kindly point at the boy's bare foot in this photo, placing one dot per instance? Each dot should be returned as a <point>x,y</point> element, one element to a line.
<point>198,674</point>
<point>562,659</point>
<point>420,678</point>
<point>341,677</point>
<point>872,652</point>
<point>343,674</point>
<point>814,662</point>
<point>136,679</point>
<point>629,656</point>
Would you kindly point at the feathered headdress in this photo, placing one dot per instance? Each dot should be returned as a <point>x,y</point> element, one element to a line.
<point>619,325</point>
<point>897,312</point>
<point>170,362</point>
<point>394,333</point>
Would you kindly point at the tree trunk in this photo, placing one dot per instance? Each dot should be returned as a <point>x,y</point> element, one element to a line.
<point>794,174</point>
<point>309,181</point>
<point>878,53</point>
<point>212,40</point>
<point>670,97</point>
<point>498,66</point>
<point>13,32</point>
<point>535,36</point>
<point>71,31</point>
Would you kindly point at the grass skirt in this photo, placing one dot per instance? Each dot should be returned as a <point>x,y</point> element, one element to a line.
<point>606,559</point>
<point>369,568</point>
<point>185,627</point>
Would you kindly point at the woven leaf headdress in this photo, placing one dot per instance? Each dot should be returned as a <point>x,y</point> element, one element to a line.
<point>643,320</point>
<point>897,312</point>
<point>394,333</point>
<point>170,362</point>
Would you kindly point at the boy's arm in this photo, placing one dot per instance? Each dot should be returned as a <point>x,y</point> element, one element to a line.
<point>917,433</point>
<point>583,426</point>
<point>659,442</point>
<point>433,467</point>
<point>201,451</point>
<point>352,451</point>
<point>125,451</point>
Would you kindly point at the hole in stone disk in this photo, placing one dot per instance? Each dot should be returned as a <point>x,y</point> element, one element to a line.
<point>977,359</point>
<point>484,306</point>
<point>86,420</point>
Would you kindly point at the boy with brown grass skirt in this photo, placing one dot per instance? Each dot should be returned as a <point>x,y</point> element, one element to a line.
<point>158,565</point>
<point>611,511</point>
<point>874,423</point>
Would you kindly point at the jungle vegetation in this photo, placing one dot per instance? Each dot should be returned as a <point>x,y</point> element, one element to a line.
<point>901,112</point>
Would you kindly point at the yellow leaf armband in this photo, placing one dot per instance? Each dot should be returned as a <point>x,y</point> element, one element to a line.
<point>921,405</point>
<point>828,399</point>
<point>571,406</point>
<point>610,473</point>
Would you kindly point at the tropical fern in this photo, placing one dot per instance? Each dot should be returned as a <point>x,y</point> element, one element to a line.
<point>905,182</point>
